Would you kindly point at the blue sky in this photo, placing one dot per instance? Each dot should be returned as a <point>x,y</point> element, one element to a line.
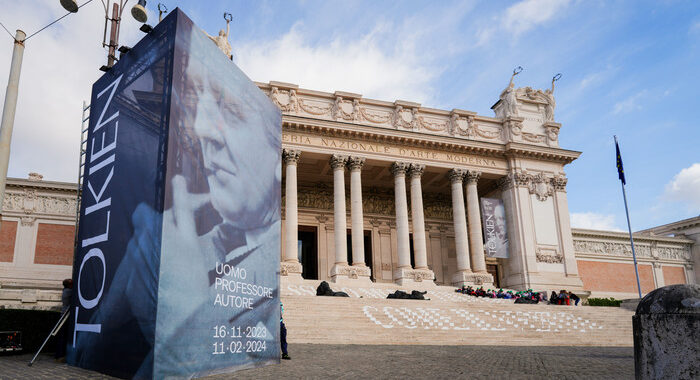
<point>628,68</point>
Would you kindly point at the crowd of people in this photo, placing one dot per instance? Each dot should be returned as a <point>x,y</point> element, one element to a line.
<point>493,293</point>
<point>562,298</point>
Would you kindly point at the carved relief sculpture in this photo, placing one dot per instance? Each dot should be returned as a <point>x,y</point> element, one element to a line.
<point>541,186</point>
<point>285,100</point>
<point>552,132</point>
<point>559,182</point>
<point>346,110</point>
<point>549,257</point>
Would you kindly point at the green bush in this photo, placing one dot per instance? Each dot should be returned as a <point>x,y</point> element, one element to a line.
<point>35,326</point>
<point>604,302</point>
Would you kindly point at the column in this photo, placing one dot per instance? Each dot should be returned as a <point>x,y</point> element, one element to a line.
<point>515,195</point>
<point>322,247</point>
<point>291,263</point>
<point>460,225</point>
<point>339,214</point>
<point>419,249</point>
<point>476,246</point>
<point>561,205</point>
<point>358,235</point>
<point>398,169</point>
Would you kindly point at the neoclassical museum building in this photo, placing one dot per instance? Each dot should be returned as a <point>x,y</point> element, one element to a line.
<point>393,192</point>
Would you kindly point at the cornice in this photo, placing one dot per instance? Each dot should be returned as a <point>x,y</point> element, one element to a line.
<point>20,183</point>
<point>514,149</point>
<point>585,233</point>
<point>346,108</point>
<point>675,227</point>
<point>415,139</point>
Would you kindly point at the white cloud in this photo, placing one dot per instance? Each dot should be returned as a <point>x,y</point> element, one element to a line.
<point>594,221</point>
<point>630,104</point>
<point>590,79</point>
<point>60,64</point>
<point>360,66</point>
<point>520,18</point>
<point>685,187</point>
<point>528,14</point>
<point>598,78</point>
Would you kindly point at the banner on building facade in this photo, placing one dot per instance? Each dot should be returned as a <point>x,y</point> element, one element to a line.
<point>494,224</point>
<point>176,272</point>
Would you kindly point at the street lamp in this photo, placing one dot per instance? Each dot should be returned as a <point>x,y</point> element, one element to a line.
<point>138,11</point>
<point>8,111</point>
<point>70,5</point>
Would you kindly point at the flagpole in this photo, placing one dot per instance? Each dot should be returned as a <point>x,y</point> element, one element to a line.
<point>629,228</point>
<point>634,255</point>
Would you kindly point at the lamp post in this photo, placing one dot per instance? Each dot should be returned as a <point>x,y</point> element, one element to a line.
<point>138,11</point>
<point>10,106</point>
<point>8,111</point>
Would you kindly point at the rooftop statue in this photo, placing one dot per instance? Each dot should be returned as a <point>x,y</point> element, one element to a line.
<point>509,99</point>
<point>221,40</point>
<point>508,96</point>
<point>549,97</point>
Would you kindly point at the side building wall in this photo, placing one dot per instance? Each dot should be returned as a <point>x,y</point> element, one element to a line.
<point>36,241</point>
<point>606,266</point>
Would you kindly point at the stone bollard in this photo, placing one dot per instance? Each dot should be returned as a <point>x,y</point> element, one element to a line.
<point>667,334</point>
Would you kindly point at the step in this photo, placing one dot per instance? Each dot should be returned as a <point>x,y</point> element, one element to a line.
<point>448,318</point>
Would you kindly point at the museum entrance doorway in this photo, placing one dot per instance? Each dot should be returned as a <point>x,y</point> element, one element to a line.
<point>368,249</point>
<point>308,252</point>
<point>492,269</point>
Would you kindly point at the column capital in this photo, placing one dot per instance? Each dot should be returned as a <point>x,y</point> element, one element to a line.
<point>416,170</point>
<point>355,163</point>
<point>515,178</point>
<point>456,175</point>
<point>472,177</point>
<point>399,168</point>
<point>338,161</point>
<point>559,183</point>
<point>290,156</point>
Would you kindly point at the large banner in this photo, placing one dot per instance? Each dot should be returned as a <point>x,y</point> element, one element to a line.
<point>178,261</point>
<point>494,224</point>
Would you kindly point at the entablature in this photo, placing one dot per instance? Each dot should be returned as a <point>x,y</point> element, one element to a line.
<point>351,109</point>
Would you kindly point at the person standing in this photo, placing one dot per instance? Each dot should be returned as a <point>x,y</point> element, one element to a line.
<point>61,337</point>
<point>283,335</point>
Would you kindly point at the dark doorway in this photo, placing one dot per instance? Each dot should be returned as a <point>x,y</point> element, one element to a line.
<point>368,249</point>
<point>410,250</point>
<point>309,252</point>
<point>493,270</point>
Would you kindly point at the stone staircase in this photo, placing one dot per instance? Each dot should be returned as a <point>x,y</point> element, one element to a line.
<point>448,318</point>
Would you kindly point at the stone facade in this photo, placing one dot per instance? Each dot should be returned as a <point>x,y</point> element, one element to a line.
<point>36,241</point>
<point>605,262</point>
<point>409,153</point>
<point>390,192</point>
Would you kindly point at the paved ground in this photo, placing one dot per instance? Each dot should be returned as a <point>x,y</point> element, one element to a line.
<point>364,362</point>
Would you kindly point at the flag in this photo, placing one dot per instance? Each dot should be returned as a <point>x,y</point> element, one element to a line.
<point>620,169</point>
